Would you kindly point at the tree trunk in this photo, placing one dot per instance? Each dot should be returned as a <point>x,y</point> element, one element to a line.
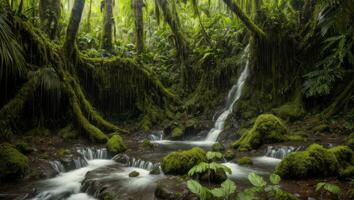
<point>139,24</point>
<point>244,18</point>
<point>107,26</point>
<point>49,14</point>
<point>88,23</point>
<point>73,28</point>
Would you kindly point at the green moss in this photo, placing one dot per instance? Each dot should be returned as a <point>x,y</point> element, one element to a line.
<point>291,110</point>
<point>267,129</point>
<point>296,138</point>
<point>347,173</point>
<point>134,174</point>
<point>350,141</point>
<point>145,124</point>
<point>13,164</point>
<point>177,132</point>
<point>23,147</point>
<point>115,144</point>
<point>218,147</point>
<point>245,161</point>
<point>180,162</point>
<point>147,144</point>
<point>229,154</point>
<point>68,132</point>
<point>315,161</point>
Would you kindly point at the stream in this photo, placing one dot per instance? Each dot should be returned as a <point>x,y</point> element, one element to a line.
<point>93,170</point>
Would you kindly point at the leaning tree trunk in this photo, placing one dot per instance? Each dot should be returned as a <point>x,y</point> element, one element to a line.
<point>139,24</point>
<point>245,19</point>
<point>49,14</point>
<point>107,26</point>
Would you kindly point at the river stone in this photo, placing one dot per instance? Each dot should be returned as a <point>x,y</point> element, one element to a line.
<point>173,188</point>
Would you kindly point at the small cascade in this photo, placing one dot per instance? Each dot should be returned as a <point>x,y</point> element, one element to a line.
<point>91,153</point>
<point>232,97</point>
<point>279,152</point>
<point>134,162</point>
<point>157,136</point>
<point>57,166</point>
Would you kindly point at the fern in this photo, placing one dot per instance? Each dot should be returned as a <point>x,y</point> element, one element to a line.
<point>205,167</point>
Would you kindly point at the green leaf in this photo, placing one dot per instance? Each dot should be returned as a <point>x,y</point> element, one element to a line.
<point>218,192</point>
<point>332,189</point>
<point>274,179</point>
<point>228,186</point>
<point>319,186</point>
<point>256,180</point>
<point>202,192</point>
<point>211,155</point>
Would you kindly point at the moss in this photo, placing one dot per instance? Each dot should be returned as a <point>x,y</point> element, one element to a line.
<point>296,138</point>
<point>321,128</point>
<point>68,132</point>
<point>23,147</point>
<point>350,141</point>
<point>218,147</point>
<point>347,173</point>
<point>147,144</point>
<point>315,161</point>
<point>229,154</point>
<point>177,132</point>
<point>267,129</point>
<point>180,162</point>
<point>115,144</point>
<point>245,161</point>
<point>145,124</point>
<point>134,174</point>
<point>13,164</point>
<point>291,110</point>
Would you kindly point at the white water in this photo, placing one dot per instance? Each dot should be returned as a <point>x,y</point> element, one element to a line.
<point>232,97</point>
<point>69,183</point>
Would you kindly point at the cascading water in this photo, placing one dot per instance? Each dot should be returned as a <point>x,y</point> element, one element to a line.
<point>57,166</point>
<point>279,152</point>
<point>134,162</point>
<point>232,97</point>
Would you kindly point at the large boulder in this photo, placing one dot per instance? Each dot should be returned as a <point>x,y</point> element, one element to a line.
<point>115,144</point>
<point>13,164</point>
<point>266,130</point>
<point>180,162</point>
<point>315,161</point>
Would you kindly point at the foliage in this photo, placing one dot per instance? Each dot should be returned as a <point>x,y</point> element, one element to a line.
<point>207,167</point>
<point>211,155</point>
<point>227,188</point>
<point>330,188</point>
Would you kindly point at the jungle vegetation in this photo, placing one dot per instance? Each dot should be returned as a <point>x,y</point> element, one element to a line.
<point>109,68</point>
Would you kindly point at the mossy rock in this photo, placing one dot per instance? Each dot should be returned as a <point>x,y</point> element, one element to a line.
<point>218,147</point>
<point>177,132</point>
<point>180,162</point>
<point>229,154</point>
<point>23,147</point>
<point>134,174</point>
<point>315,161</point>
<point>245,161</point>
<point>266,130</point>
<point>13,164</point>
<point>147,144</point>
<point>347,173</point>
<point>115,144</point>
<point>291,111</point>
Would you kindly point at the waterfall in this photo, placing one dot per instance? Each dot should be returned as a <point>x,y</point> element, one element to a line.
<point>279,152</point>
<point>134,162</point>
<point>232,97</point>
<point>157,135</point>
<point>57,166</point>
<point>93,153</point>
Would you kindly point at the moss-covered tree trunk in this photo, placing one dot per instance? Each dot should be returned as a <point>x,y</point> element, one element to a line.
<point>73,27</point>
<point>139,24</point>
<point>107,25</point>
<point>244,18</point>
<point>88,22</point>
<point>49,14</point>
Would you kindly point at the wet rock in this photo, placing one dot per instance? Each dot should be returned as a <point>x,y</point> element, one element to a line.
<point>173,188</point>
<point>229,154</point>
<point>245,161</point>
<point>13,164</point>
<point>134,174</point>
<point>155,171</point>
<point>218,147</point>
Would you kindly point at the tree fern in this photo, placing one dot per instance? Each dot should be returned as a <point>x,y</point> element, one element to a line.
<point>12,62</point>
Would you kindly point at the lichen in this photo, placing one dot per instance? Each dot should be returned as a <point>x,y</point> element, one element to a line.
<point>115,144</point>
<point>13,164</point>
<point>180,162</point>
<point>267,129</point>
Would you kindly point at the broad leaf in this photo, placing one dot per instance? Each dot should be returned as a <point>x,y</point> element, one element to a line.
<point>256,180</point>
